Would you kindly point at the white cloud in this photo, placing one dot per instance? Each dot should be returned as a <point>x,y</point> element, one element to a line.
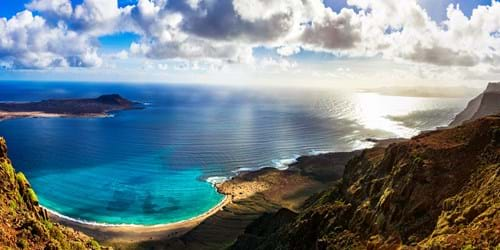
<point>228,30</point>
<point>281,63</point>
<point>121,55</point>
<point>58,8</point>
<point>193,4</point>
<point>333,31</point>
<point>287,50</point>
<point>26,41</point>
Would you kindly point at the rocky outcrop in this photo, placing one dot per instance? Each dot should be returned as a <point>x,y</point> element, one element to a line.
<point>291,187</point>
<point>23,223</point>
<point>487,103</point>
<point>438,190</point>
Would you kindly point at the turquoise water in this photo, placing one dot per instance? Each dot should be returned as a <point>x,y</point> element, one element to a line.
<point>131,198</point>
<point>153,166</point>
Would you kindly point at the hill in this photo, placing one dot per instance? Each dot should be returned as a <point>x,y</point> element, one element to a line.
<point>438,190</point>
<point>99,106</point>
<point>23,223</point>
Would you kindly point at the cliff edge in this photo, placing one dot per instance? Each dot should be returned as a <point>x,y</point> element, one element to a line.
<point>487,103</point>
<point>23,223</point>
<point>438,190</point>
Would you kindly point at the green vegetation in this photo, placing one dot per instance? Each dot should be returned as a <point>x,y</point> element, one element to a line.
<point>468,247</point>
<point>48,224</point>
<point>94,245</point>
<point>21,180</point>
<point>418,161</point>
<point>4,164</point>
<point>22,226</point>
<point>32,196</point>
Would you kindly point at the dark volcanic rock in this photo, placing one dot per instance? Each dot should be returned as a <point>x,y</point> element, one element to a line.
<point>77,107</point>
<point>114,99</point>
<point>324,167</point>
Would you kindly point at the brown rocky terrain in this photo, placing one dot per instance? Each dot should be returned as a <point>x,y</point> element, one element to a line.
<point>23,223</point>
<point>438,190</point>
<point>253,194</point>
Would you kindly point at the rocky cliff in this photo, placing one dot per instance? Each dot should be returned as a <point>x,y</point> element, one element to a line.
<point>23,223</point>
<point>438,190</point>
<point>487,103</point>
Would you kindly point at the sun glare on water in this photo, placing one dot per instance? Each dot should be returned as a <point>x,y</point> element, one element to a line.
<point>373,111</point>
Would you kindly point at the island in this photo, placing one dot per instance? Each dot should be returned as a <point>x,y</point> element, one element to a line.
<point>437,190</point>
<point>101,106</point>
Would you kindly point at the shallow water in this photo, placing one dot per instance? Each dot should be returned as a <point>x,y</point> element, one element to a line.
<point>150,166</point>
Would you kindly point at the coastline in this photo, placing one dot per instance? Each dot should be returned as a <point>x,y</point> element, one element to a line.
<point>300,176</point>
<point>102,106</point>
<point>132,233</point>
<point>35,114</point>
<point>129,234</point>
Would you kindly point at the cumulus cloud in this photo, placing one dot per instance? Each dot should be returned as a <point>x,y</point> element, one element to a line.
<point>403,30</point>
<point>58,35</point>
<point>228,30</point>
<point>100,17</point>
<point>231,28</point>
<point>439,55</point>
<point>192,49</point>
<point>56,8</point>
<point>122,55</point>
<point>26,41</point>
<point>222,20</point>
<point>287,50</point>
<point>333,31</point>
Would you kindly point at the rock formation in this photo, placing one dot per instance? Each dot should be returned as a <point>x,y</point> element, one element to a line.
<point>487,103</point>
<point>438,190</point>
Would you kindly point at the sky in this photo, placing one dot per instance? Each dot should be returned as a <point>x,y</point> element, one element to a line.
<point>332,43</point>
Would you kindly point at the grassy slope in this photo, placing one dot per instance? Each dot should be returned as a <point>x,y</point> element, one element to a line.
<point>24,224</point>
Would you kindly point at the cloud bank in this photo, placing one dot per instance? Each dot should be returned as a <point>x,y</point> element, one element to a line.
<point>55,33</point>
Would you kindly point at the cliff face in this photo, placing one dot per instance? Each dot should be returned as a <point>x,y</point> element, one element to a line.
<point>487,103</point>
<point>23,223</point>
<point>438,190</point>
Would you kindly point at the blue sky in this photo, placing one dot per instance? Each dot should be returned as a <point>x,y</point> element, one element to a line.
<point>253,41</point>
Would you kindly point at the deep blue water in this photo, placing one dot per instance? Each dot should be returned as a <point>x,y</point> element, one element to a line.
<point>151,166</point>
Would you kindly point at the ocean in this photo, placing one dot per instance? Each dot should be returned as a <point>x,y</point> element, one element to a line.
<point>157,165</point>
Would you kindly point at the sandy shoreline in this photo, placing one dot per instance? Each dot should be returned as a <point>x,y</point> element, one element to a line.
<point>35,114</point>
<point>137,233</point>
<point>307,175</point>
